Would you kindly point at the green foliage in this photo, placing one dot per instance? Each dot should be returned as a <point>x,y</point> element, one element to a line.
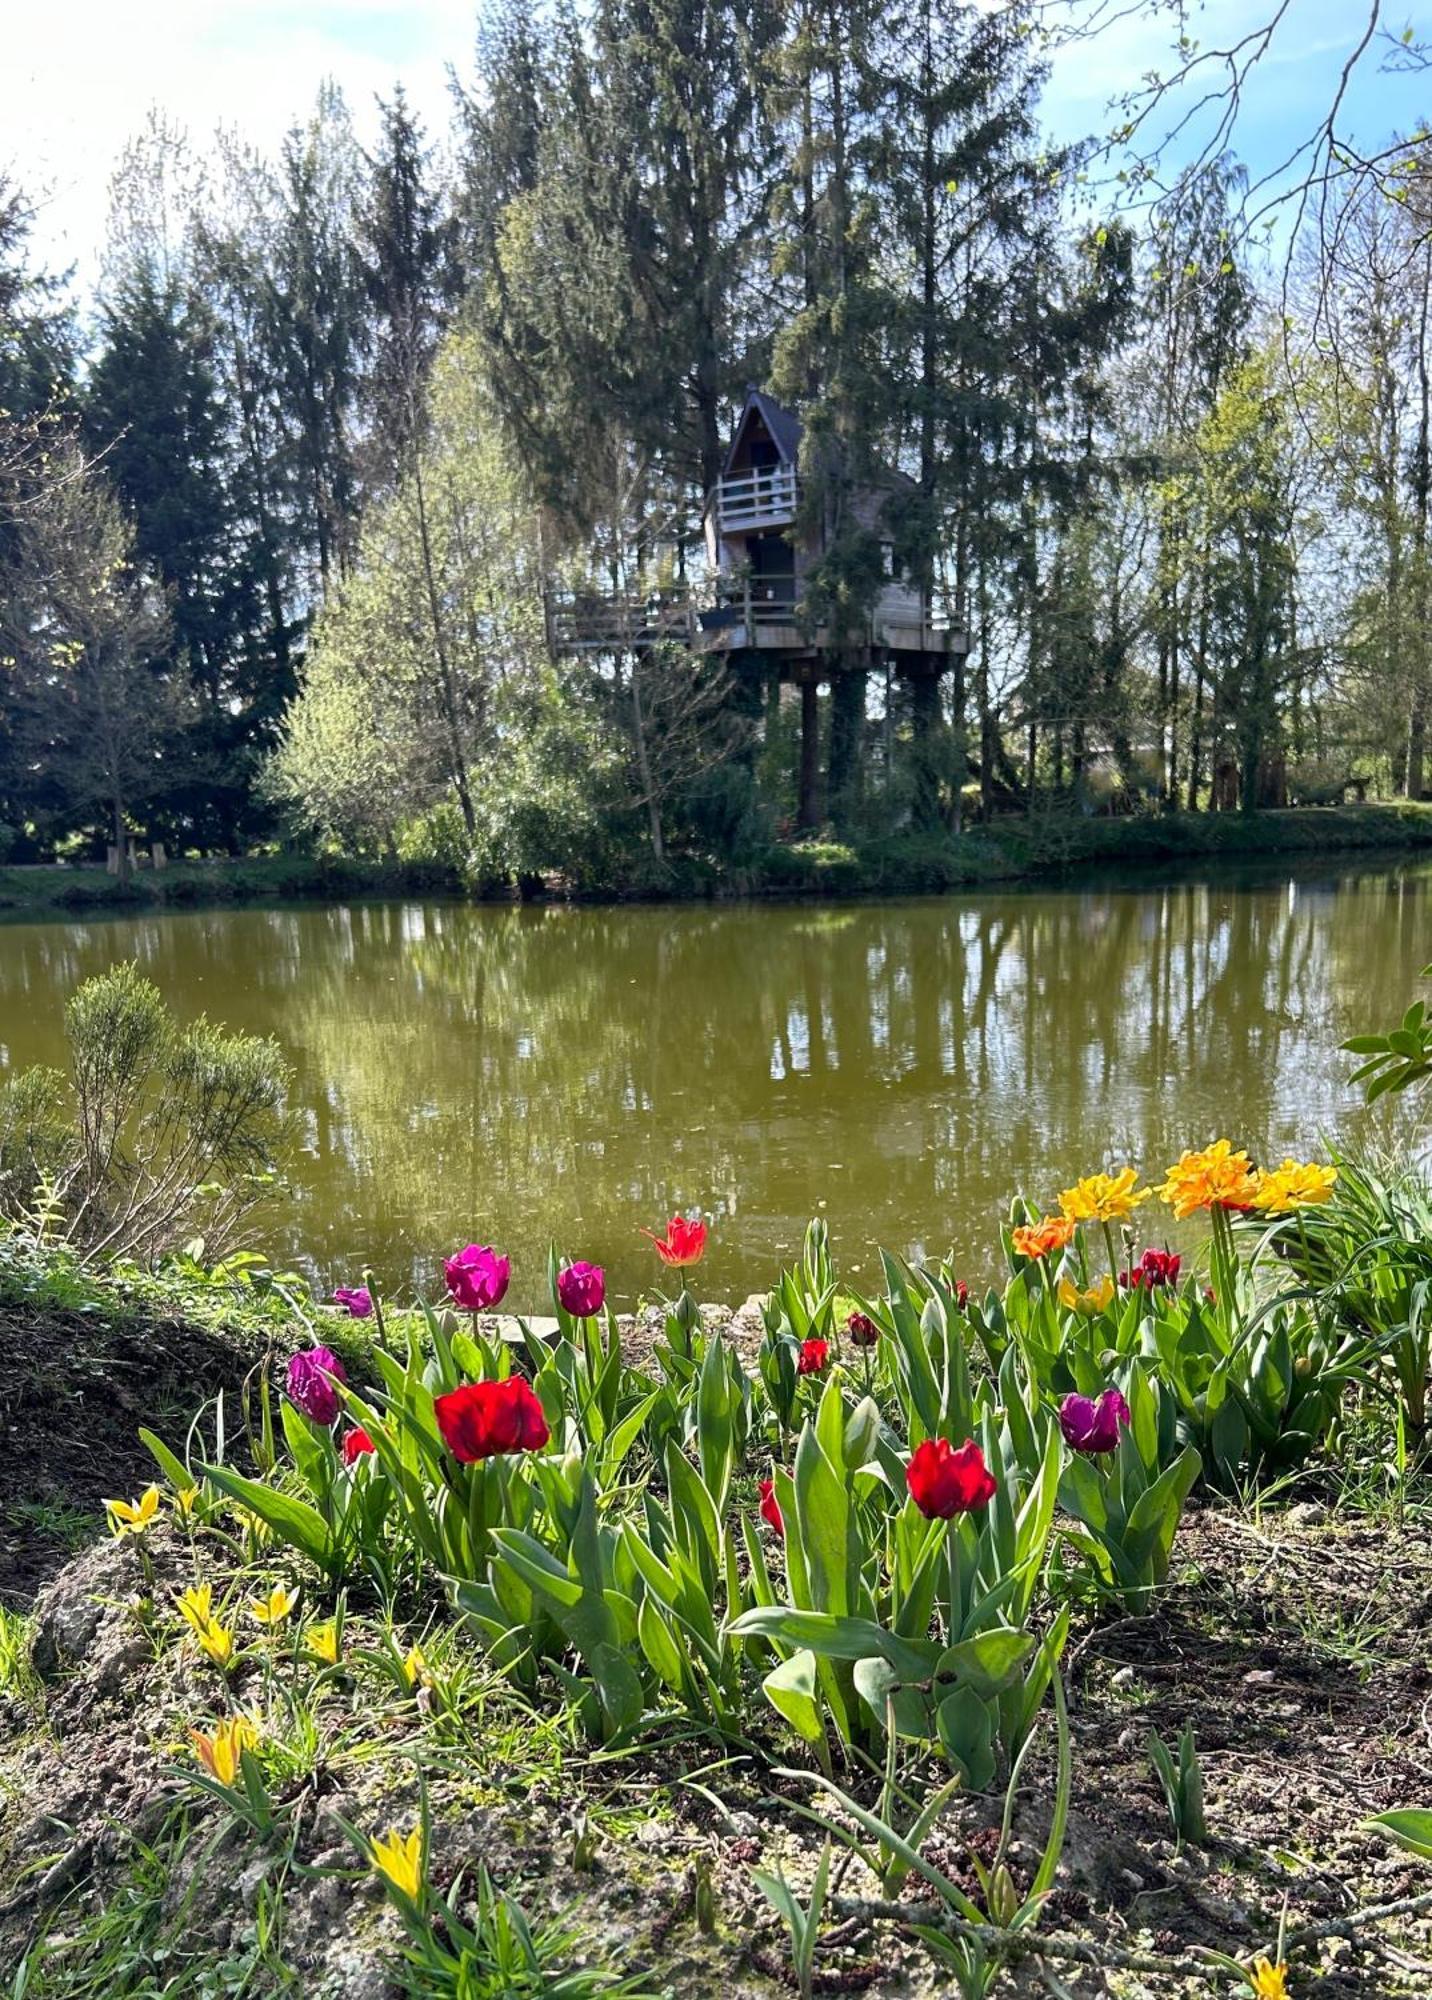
<point>1396,1060</point>
<point>160,1131</point>
<point>1182,1781</point>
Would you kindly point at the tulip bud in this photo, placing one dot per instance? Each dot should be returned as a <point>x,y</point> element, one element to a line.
<point>1303,1367</point>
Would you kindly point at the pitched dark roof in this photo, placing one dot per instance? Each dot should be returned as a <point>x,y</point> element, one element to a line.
<point>783,425</point>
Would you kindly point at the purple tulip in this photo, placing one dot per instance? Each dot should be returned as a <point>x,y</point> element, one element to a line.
<point>582,1290</point>
<point>477,1278</point>
<point>356,1300</point>
<point>312,1375</point>
<point>1092,1424</point>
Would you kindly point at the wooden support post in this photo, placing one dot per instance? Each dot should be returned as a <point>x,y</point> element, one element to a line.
<point>847,727</point>
<point>925,748</point>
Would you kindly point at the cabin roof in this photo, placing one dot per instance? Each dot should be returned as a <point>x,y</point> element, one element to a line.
<point>783,425</point>
<point>785,430</point>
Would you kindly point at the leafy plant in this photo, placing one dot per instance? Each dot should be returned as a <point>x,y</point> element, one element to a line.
<point>1182,1780</point>
<point>1128,1504</point>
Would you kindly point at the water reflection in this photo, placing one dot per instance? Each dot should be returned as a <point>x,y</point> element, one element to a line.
<point>516,1074</point>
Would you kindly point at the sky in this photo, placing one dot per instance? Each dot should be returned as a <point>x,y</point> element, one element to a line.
<point>81,75</point>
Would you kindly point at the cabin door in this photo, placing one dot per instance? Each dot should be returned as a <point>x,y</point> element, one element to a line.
<point>773,569</point>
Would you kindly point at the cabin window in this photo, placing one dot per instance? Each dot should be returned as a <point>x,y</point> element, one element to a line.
<point>889,568</point>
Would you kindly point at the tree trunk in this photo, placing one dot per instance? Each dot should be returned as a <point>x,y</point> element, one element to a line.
<point>121,845</point>
<point>643,768</point>
<point>925,760</point>
<point>847,724</point>
<point>808,804</point>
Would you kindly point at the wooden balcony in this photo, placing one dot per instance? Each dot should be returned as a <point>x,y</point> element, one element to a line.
<point>752,501</point>
<point>587,622</point>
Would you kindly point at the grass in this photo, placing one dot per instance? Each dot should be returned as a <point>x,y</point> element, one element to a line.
<point>1009,849</point>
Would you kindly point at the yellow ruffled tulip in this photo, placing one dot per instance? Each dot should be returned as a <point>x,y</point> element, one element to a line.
<point>1104,1197</point>
<point>1296,1184</point>
<point>1217,1177</point>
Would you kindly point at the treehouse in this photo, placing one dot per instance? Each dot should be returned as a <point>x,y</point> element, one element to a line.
<point>759,555</point>
<point>751,608</point>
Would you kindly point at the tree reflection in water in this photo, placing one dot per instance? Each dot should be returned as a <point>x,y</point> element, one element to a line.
<point>519,1074</point>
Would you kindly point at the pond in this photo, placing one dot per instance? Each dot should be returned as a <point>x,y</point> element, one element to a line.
<point>515,1075</point>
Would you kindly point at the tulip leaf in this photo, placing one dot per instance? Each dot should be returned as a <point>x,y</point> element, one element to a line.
<point>837,1638</point>
<point>988,1663</point>
<point>1409,1826</point>
<point>792,1690</point>
<point>173,1467</point>
<point>294,1521</point>
<point>966,1729</point>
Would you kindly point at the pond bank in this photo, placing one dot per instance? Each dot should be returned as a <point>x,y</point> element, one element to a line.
<point>909,865</point>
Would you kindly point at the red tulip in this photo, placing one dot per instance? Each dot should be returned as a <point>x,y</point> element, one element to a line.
<point>483,1419</point>
<point>862,1329</point>
<point>356,1444</point>
<point>1155,1267</point>
<point>813,1356</point>
<point>962,1294</point>
<point>944,1481</point>
<point>684,1243</point>
<point>477,1278</point>
<point>771,1507</point>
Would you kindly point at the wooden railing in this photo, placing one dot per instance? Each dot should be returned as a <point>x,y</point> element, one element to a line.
<point>764,499</point>
<point>746,611</point>
<point>584,621</point>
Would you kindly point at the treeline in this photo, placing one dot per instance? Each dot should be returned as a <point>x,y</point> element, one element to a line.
<point>284,511</point>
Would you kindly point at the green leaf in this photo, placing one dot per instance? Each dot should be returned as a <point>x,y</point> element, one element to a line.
<point>989,1663</point>
<point>793,1691</point>
<point>294,1521</point>
<point>1409,1826</point>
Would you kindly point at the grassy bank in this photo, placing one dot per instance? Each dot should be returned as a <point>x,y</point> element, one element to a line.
<point>908,865</point>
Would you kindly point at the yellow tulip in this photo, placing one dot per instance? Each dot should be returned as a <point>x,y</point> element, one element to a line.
<point>184,1499</point>
<point>221,1753</point>
<point>414,1666</point>
<point>322,1642</point>
<point>196,1606</point>
<point>1269,1982</point>
<point>1097,1299</point>
<point>1296,1184</point>
<point>132,1517</point>
<point>273,1609</point>
<point>399,1859</point>
<point>1215,1178</point>
<point>1104,1197</point>
<point>217,1641</point>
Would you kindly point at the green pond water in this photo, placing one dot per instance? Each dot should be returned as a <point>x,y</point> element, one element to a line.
<point>517,1075</point>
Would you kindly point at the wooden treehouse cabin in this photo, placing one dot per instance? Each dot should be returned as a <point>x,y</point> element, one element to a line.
<point>750,607</point>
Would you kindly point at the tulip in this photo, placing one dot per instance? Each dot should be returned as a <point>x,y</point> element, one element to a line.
<point>398,1858</point>
<point>1092,1424</point>
<point>1104,1197</point>
<point>485,1419</point>
<point>1215,1178</point>
<point>132,1517</point>
<point>356,1300</point>
<point>862,1329</point>
<point>218,1642</point>
<point>273,1609</point>
<point>1269,1981</point>
<point>771,1507</point>
<point>222,1753</point>
<point>313,1374</point>
<point>185,1498</point>
<point>813,1356</point>
<point>195,1606</point>
<point>477,1278</point>
<point>1154,1268</point>
<point>1294,1185</point>
<point>684,1243</point>
<point>357,1444</point>
<point>945,1481</point>
<point>1097,1299</point>
<point>962,1294</point>
<point>1037,1239</point>
<point>414,1666</point>
<point>322,1642</point>
<point>582,1290</point>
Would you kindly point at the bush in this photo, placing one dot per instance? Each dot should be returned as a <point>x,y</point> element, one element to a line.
<point>159,1132</point>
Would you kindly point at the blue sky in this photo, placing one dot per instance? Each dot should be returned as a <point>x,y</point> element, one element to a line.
<point>83,74</point>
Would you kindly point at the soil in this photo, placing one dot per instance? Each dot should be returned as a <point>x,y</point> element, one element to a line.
<point>1294,1643</point>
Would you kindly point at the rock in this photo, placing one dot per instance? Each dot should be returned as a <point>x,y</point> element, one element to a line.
<point>1124,1678</point>
<point>251,1881</point>
<point>67,1619</point>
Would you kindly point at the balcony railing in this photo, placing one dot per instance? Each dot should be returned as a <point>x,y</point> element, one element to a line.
<point>583,621</point>
<point>764,499</point>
